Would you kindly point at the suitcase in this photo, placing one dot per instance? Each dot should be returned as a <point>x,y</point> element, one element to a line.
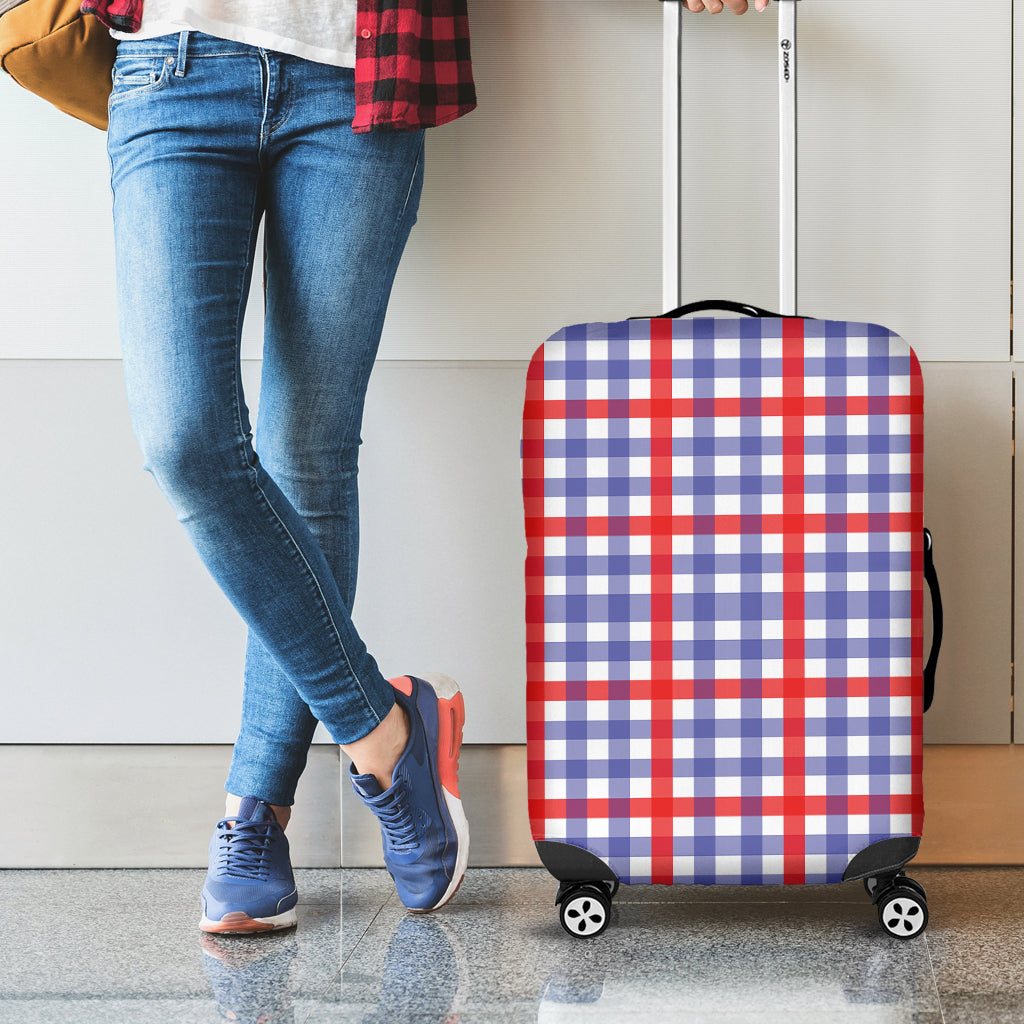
<point>725,576</point>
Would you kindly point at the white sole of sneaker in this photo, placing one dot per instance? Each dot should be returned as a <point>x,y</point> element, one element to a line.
<point>241,923</point>
<point>449,697</point>
<point>462,857</point>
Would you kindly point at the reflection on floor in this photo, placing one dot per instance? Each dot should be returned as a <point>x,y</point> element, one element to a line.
<point>122,946</point>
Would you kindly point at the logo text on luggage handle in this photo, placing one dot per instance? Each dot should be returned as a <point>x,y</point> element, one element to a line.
<point>786,47</point>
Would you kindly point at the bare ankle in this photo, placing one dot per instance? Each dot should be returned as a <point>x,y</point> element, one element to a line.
<point>378,752</point>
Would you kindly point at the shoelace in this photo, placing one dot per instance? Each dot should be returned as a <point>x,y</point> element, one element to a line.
<point>397,822</point>
<point>244,849</point>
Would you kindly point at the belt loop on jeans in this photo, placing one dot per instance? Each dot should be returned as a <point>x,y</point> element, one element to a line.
<point>179,70</point>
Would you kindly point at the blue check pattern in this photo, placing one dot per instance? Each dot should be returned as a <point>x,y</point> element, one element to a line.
<point>724,595</point>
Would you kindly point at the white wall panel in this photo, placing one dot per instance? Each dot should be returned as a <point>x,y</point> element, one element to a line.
<point>540,208</point>
<point>968,506</point>
<point>543,206</point>
<point>57,263</point>
<point>111,630</point>
<point>57,284</point>
<point>98,794</point>
<point>904,167</point>
<point>441,586</point>
<point>1018,227</point>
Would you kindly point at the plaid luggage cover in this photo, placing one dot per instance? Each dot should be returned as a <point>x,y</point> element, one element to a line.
<point>724,595</point>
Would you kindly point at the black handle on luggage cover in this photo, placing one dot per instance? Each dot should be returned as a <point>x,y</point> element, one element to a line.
<point>725,304</point>
<point>734,307</point>
<point>932,579</point>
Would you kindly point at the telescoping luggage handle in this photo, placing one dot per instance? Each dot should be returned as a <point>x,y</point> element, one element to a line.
<point>671,141</point>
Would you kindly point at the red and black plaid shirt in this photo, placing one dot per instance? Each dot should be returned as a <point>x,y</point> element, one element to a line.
<point>413,68</point>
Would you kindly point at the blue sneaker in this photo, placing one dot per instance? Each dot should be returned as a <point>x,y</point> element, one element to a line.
<point>425,833</point>
<point>250,886</point>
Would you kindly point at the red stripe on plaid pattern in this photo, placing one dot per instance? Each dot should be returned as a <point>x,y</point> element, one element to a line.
<point>662,771</point>
<point>793,600</point>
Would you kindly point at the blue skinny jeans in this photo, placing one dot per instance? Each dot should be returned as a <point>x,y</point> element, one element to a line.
<point>207,137</point>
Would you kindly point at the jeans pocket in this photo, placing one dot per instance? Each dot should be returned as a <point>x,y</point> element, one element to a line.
<point>134,75</point>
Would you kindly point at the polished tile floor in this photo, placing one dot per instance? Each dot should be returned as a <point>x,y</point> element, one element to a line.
<point>122,946</point>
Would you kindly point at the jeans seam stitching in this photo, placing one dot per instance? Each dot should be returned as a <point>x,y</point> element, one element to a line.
<point>381,307</point>
<point>316,589</point>
<point>311,575</point>
<point>154,86</point>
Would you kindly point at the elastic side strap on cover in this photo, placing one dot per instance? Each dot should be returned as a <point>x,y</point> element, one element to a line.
<point>932,579</point>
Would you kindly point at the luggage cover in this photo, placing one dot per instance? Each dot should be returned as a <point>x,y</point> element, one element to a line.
<point>724,595</point>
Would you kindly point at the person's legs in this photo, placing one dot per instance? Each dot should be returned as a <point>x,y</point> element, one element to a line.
<point>188,176</point>
<point>339,209</point>
<point>192,145</point>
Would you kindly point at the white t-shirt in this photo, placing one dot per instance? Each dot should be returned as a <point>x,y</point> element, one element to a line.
<point>320,30</point>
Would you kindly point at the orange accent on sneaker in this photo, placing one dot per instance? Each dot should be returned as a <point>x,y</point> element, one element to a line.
<point>451,717</point>
<point>238,922</point>
<point>403,683</point>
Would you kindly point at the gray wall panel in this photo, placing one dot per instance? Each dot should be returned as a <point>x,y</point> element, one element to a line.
<point>540,208</point>
<point>97,792</point>
<point>56,283</point>
<point>902,109</point>
<point>113,632</point>
<point>968,508</point>
<point>154,806</point>
<point>441,584</point>
<point>1017,227</point>
<point>110,629</point>
<point>543,206</point>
